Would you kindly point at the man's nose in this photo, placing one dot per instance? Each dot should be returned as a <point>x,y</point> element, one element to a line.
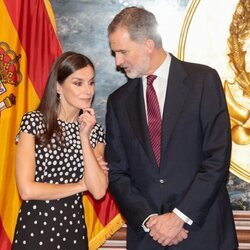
<point>119,59</point>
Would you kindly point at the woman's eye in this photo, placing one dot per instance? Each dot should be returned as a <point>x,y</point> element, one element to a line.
<point>78,83</point>
<point>92,83</point>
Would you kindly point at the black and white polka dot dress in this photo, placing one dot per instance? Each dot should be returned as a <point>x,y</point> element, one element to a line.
<point>55,224</point>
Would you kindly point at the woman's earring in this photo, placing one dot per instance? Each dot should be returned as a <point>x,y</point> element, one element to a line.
<point>58,97</point>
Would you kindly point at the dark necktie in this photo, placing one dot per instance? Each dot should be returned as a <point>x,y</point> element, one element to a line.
<point>154,118</point>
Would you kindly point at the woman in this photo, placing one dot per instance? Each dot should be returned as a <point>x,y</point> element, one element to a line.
<point>59,156</point>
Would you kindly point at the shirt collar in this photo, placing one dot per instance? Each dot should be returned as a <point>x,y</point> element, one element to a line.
<point>163,70</point>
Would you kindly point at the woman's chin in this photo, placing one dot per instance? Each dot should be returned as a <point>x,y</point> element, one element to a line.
<point>86,106</point>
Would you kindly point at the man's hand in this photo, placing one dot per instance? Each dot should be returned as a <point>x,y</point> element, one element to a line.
<point>167,229</point>
<point>179,238</point>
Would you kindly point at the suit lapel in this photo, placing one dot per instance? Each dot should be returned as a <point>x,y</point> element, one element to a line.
<point>137,116</point>
<point>175,98</point>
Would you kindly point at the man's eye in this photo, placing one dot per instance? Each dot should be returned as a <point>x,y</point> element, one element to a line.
<point>92,83</point>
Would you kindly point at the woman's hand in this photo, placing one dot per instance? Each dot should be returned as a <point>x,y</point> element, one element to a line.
<point>103,164</point>
<point>87,121</point>
<point>83,185</point>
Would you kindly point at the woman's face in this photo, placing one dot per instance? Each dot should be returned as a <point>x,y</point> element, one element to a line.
<point>78,89</point>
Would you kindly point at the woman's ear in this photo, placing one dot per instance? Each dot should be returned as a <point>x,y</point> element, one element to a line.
<point>58,88</point>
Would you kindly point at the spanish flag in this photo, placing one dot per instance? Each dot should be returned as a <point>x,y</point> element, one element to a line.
<point>28,48</point>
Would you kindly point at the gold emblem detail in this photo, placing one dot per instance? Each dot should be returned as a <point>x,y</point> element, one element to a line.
<point>9,74</point>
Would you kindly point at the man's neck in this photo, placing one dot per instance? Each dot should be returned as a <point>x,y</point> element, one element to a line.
<point>158,57</point>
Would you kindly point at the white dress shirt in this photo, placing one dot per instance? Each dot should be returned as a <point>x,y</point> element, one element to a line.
<point>160,86</point>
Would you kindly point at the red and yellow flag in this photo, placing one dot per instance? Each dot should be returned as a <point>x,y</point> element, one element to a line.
<point>28,47</point>
<point>102,218</point>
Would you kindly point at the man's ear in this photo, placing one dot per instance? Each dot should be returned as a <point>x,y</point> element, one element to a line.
<point>150,44</point>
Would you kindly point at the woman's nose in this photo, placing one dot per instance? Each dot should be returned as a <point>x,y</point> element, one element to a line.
<point>86,89</point>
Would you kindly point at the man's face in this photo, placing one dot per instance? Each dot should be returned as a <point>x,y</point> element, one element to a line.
<point>132,56</point>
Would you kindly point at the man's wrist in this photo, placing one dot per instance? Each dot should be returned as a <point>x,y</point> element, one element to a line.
<point>145,228</point>
<point>183,216</point>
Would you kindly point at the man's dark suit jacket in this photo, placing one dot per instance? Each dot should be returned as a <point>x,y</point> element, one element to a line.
<point>195,157</point>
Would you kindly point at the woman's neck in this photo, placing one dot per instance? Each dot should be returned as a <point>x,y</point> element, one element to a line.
<point>68,116</point>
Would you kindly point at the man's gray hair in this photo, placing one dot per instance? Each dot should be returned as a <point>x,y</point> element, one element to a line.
<point>140,23</point>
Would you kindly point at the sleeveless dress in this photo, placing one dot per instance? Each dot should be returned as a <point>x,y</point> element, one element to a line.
<point>55,224</point>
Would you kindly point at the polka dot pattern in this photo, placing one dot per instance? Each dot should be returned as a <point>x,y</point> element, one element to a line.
<point>55,224</point>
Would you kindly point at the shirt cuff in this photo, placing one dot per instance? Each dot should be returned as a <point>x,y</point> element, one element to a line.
<point>144,223</point>
<point>183,216</point>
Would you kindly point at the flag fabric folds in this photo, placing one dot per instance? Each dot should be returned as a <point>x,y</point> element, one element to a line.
<point>102,218</point>
<point>28,47</point>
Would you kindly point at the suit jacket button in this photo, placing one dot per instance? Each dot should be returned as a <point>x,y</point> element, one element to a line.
<point>162,181</point>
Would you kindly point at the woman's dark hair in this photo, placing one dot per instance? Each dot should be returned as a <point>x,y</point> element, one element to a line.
<point>65,65</point>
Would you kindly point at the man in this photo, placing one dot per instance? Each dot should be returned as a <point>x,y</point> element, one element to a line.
<point>168,144</point>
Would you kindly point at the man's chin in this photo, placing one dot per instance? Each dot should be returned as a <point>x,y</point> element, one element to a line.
<point>131,75</point>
